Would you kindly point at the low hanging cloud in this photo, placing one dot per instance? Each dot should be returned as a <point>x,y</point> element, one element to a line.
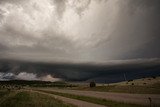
<point>27,76</point>
<point>69,71</point>
<point>50,78</point>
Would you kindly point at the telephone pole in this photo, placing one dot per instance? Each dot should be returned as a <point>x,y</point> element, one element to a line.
<point>124,76</point>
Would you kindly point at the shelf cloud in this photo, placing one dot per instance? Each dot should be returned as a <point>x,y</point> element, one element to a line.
<point>79,31</point>
<point>71,71</point>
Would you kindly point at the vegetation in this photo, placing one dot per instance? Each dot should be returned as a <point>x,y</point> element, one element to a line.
<point>92,84</point>
<point>22,83</point>
<point>134,89</point>
<point>3,93</point>
<point>140,86</point>
<point>94,100</point>
<point>30,99</point>
<point>12,93</point>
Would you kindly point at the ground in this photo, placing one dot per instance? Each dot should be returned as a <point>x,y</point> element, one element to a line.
<point>28,99</point>
<point>149,85</point>
<point>143,92</point>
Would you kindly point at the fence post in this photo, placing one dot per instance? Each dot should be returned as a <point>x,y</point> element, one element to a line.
<point>150,100</point>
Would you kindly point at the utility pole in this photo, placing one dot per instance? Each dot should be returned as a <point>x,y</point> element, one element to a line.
<point>124,76</point>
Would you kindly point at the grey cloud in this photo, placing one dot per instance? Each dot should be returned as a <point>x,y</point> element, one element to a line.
<point>136,68</point>
<point>6,76</point>
<point>143,4</point>
<point>60,7</point>
<point>26,76</point>
<point>1,14</point>
<point>17,2</point>
<point>78,6</point>
<point>80,9</point>
<point>10,1</point>
<point>2,48</point>
<point>136,33</point>
<point>124,29</point>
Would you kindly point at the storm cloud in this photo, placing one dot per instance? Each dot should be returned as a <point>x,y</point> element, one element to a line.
<point>85,30</point>
<point>78,31</point>
<point>68,71</point>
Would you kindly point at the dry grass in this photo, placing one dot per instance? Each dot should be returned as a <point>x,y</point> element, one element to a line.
<point>100,101</point>
<point>31,99</point>
<point>139,86</point>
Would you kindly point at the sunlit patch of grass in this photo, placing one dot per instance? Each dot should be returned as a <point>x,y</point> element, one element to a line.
<point>32,99</point>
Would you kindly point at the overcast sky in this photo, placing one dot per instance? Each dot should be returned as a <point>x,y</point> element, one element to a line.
<point>79,30</point>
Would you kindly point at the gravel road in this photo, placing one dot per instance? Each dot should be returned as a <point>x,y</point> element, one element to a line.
<point>78,103</point>
<point>120,97</point>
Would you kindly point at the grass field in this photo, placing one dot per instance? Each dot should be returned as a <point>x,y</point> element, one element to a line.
<point>139,86</point>
<point>29,99</point>
<point>135,89</point>
<point>3,93</point>
<point>13,95</point>
<point>94,100</point>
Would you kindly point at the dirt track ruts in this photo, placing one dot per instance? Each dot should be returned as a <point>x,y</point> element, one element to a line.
<point>120,97</point>
<point>78,103</point>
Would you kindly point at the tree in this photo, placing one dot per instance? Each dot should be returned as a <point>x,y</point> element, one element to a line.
<point>92,84</point>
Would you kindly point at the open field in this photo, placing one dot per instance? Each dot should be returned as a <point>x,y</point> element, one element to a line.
<point>77,102</point>
<point>132,93</point>
<point>96,100</point>
<point>139,86</point>
<point>134,89</point>
<point>3,93</point>
<point>106,97</point>
<point>29,99</point>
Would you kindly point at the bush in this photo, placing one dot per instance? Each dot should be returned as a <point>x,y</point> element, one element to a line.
<point>130,80</point>
<point>144,83</point>
<point>153,77</point>
<point>92,84</point>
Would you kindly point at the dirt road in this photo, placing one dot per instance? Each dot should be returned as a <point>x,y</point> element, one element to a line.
<point>120,97</point>
<point>78,103</point>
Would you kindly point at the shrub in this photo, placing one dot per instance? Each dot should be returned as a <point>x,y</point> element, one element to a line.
<point>92,84</point>
<point>153,77</point>
<point>130,80</point>
<point>144,83</point>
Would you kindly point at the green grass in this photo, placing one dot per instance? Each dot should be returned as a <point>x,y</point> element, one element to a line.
<point>94,100</point>
<point>148,85</point>
<point>32,99</point>
<point>134,89</point>
<point>3,93</point>
<point>97,88</point>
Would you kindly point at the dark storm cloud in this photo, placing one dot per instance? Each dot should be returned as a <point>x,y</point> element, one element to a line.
<point>3,50</point>
<point>76,32</point>
<point>86,71</point>
<point>2,47</point>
